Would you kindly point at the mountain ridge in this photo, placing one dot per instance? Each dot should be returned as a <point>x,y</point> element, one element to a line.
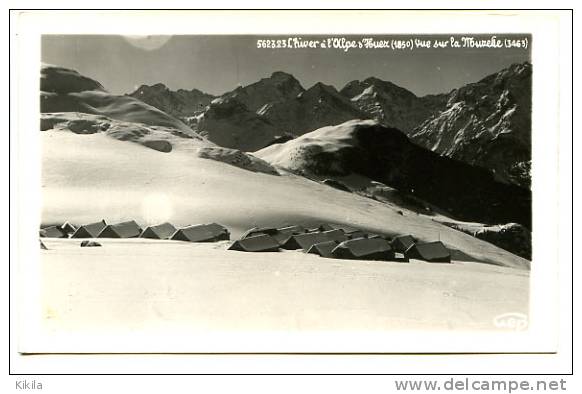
<point>78,110</point>
<point>485,123</point>
<point>179,103</point>
<point>386,155</point>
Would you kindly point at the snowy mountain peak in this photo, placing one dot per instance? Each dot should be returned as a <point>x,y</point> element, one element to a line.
<point>282,76</point>
<point>160,86</point>
<point>355,88</point>
<point>388,103</point>
<point>181,103</point>
<point>62,80</point>
<point>280,86</point>
<point>486,123</point>
<point>322,90</point>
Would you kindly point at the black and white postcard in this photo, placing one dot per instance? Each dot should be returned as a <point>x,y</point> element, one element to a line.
<point>262,189</point>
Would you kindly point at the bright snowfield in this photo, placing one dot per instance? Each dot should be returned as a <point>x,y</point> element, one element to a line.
<point>140,286</point>
<point>145,285</point>
<point>87,178</point>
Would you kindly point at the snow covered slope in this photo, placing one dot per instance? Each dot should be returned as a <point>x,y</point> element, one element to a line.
<point>386,155</point>
<point>72,103</point>
<point>64,90</point>
<point>92,177</point>
<point>126,161</point>
<point>103,166</point>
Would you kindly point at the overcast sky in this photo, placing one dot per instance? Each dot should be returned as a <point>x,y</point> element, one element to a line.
<point>216,64</point>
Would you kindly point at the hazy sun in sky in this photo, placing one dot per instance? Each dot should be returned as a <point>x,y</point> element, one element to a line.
<point>149,43</point>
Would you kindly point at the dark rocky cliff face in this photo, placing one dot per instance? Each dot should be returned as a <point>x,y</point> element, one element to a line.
<point>487,124</point>
<point>321,105</point>
<point>390,104</point>
<point>279,87</point>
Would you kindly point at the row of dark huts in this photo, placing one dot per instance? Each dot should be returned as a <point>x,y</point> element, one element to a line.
<point>341,242</point>
<point>326,240</point>
<point>130,229</point>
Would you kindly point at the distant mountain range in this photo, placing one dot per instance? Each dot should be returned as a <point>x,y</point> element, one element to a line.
<point>275,119</point>
<point>280,136</point>
<point>487,123</point>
